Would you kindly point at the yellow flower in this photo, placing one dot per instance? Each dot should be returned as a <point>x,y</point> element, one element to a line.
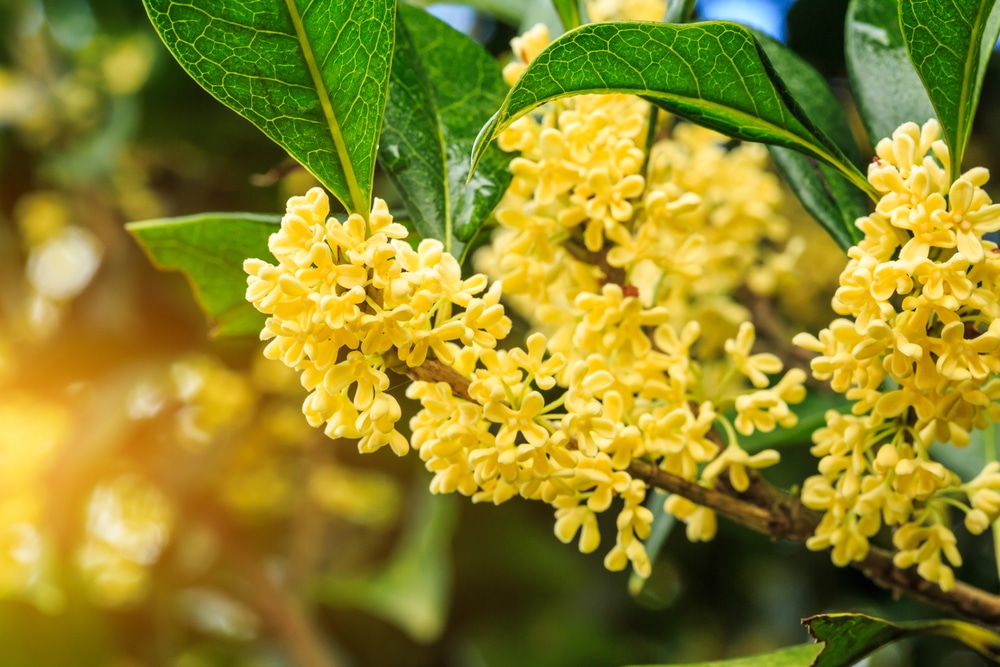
<point>572,518</point>
<point>519,420</point>
<point>971,215</point>
<point>923,547</point>
<point>736,461</point>
<point>756,367</point>
<point>765,409</point>
<point>700,522</point>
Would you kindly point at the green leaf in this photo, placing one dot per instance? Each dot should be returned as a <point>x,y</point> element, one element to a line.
<point>791,656</point>
<point>569,13</point>
<point>829,197</point>
<point>886,87</point>
<point>850,637</point>
<point>949,44</point>
<point>679,11</point>
<point>844,639</point>
<point>209,250</point>
<point>413,590</point>
<point>311,74</point>
<point>712,73</point>
<point>824,193</point>
<point>444,87</point>
<point>810,91</point>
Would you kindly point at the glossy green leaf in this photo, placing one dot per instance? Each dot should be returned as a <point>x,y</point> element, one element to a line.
<point>949,44</point>
<point>209,250</point>
<point>812,93</point>
<point>712,73</point>
<point>886,87</point>
<point>791,656</point>
<point>444,87</point>
<point>569,13</point>
<point>848,638</point>
<point>413,589</point>
<point>824,193</point>
<point>311,74</point>
<point>827,195</point>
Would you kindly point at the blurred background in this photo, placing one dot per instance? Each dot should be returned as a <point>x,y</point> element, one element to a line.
<point>162,501</point>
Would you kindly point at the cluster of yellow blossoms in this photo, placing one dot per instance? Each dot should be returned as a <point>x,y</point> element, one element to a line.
<point>629,386</point>
<point>918,356</point>
<point>625,251</point>
<point>350,300</point>
<point>687,223</point>
<point>618,256</point>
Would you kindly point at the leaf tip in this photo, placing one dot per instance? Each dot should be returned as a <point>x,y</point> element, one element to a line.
<point>485,137</point>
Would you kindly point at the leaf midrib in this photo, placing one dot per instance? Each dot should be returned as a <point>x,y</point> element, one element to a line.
<point>358,201</point>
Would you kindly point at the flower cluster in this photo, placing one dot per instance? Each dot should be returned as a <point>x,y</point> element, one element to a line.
<point>349,299</point>
<point>624,249</point>
<point>348,303</point>
<point>618,254</point>
<point>917,354</point>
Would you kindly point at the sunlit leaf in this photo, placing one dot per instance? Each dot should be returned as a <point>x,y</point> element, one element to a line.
<point>444,87</point>
<point>950,44</point>
<point>792,656</point>
<point>886,87</point>
<point>850,637</point>
<point>827,195</point>
<point>413,589</point>
<point>712,73</point>
<point>311,74</point>
<point>209,250</point>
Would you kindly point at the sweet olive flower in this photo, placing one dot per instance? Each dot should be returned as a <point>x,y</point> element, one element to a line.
<point>347,299</point>
<point>919,295</point>
<point>618,257</point>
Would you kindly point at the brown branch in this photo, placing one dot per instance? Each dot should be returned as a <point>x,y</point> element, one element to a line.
<point>964,600</point>
<point>433,370</point>
<point>779,515</point>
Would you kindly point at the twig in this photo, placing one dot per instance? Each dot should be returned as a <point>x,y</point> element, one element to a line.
<point>433,370</point>
<point>779,515</point>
